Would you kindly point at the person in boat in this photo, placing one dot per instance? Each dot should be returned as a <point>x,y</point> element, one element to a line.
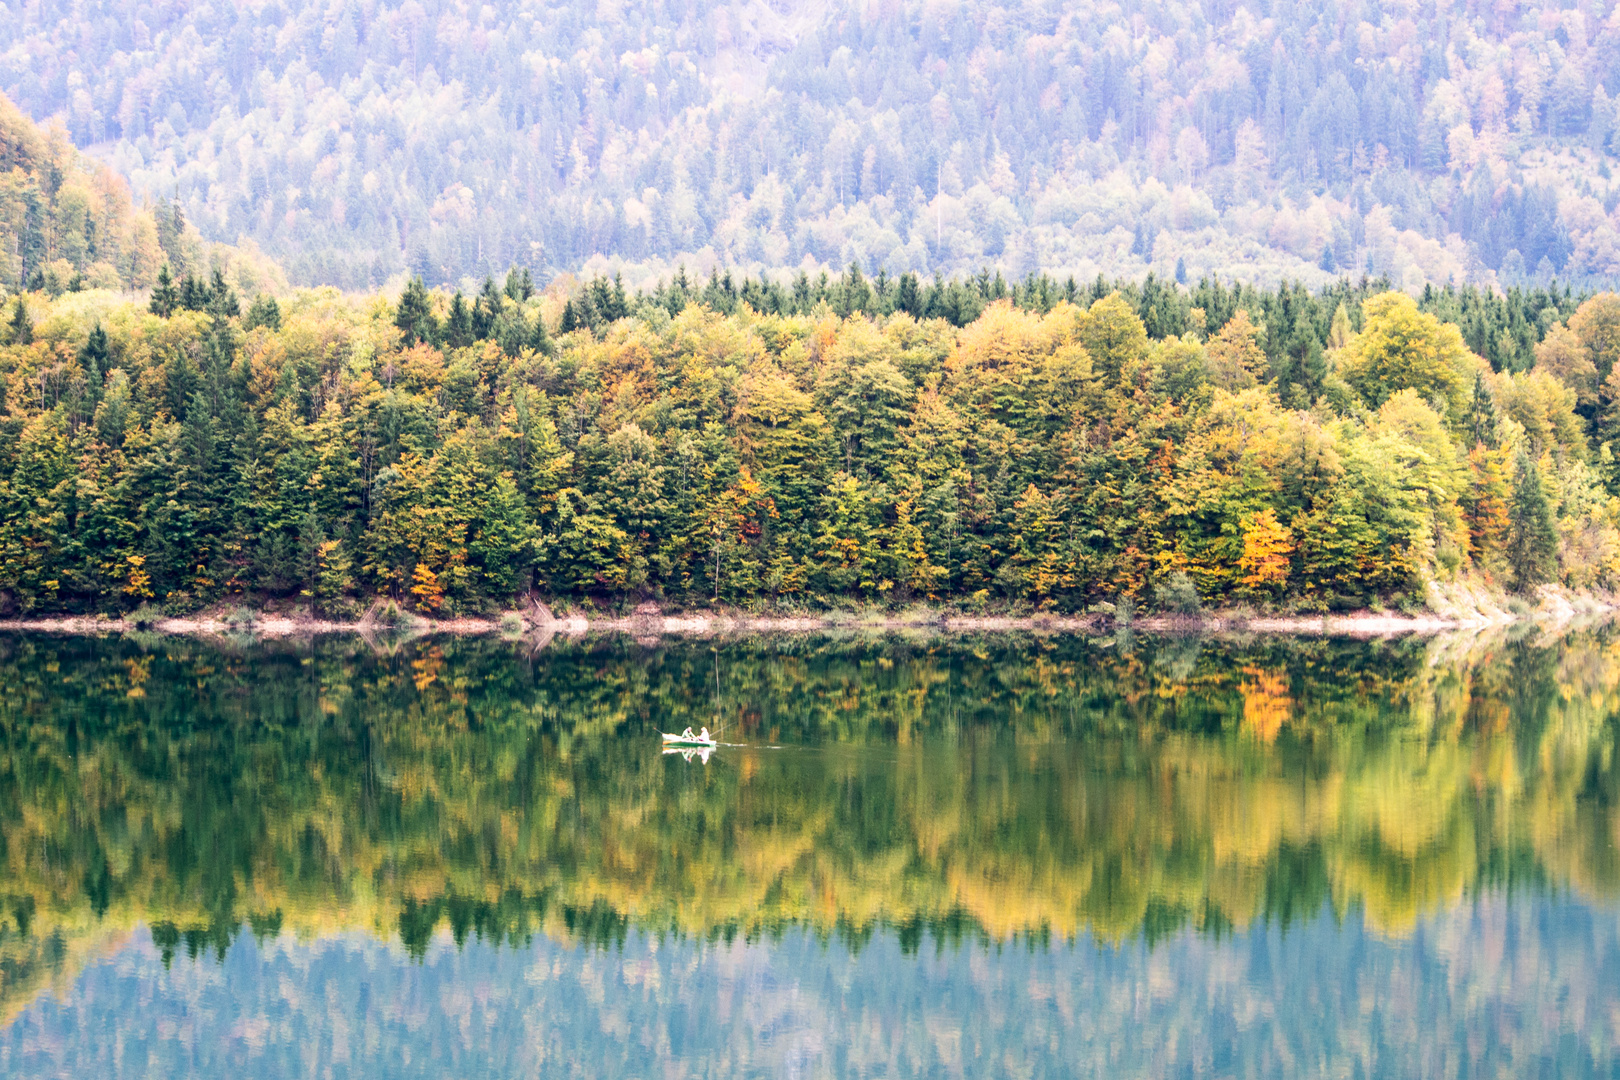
<point>687,734</point>
<point>704,735</point>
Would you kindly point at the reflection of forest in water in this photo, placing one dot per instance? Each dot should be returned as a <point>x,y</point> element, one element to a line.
<point>945,788</point>
<point>1523,986</point>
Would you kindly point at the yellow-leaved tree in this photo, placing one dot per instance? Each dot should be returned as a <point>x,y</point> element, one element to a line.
<point>426,588</point>
<point>1267,544</point>
<point>1234,357</point>
<point>1402,348</point>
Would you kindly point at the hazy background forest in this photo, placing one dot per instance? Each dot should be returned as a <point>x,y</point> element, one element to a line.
<point>356,140</point>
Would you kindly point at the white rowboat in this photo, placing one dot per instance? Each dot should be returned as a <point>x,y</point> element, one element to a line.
<point>687,740</point>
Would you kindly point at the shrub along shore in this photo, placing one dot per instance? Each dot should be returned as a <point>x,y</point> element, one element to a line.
<point>1038,449</point>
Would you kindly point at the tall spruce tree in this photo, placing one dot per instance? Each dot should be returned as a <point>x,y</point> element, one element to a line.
<point>1532,548</point>
<point>165,297</point>
<point>486,310</point>
<point>263,312</point>
<point>1481,413</point>
<point>519,284</point>
<point>539,337</point>
<point>414,316</point>
<point>194,295</point>
<point>458,326</point>
<point>20,331</point>
<point>93,357</point>
<point>512,331</point>
<point>222,302</point>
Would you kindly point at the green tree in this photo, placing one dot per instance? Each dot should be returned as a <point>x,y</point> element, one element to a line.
<point>95,358</point>
<point>540,337</point>
<point>414,317</point>
<point>334,578</point>
<point>264,311</point>
<point>1402,348</point>
<point>1113,334</point>
<point>519,285</point>
<point>1532,543</point>
<point>311,540</point>
<point>458,327</point>
<point>20,331</point>
<point>165,297</point>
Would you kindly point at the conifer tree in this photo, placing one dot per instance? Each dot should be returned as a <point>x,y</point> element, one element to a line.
<point>171,230</point>
<point>1339,331</point>
<point>20,331</point>
<point>414,316</point>
<point>112,415</point>
<point>165,298</point>
<point>587,313</point>
<point>1532,546</point>
<point>486,310</point>
<point>311,538</point>
<point>194,295</point>
<point>539,338</point>
<point>621,305</point>
<point>519,284</point>
<point>265,312</point>
<point>458,325</point>
<point>512,331</point>
<point>908,300</point>
<point>1482,413</point>
<point>333,578</point>
<point>93,357</point>
<point>221,302</point>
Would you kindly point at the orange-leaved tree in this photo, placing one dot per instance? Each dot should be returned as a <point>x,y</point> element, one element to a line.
<point>1267,544</point>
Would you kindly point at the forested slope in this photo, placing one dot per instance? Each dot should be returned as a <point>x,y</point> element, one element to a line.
<point>353,139</point>
<point>834,442</point>
<point>68,223</point>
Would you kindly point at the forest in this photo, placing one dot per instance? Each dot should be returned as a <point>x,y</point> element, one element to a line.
<point>181,428</point>
<point>70,223</point>
<point>1038,445</point>
<point>358,140</point>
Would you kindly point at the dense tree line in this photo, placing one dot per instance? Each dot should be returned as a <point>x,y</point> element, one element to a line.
<point>354,140</point>
<point>836,441</point>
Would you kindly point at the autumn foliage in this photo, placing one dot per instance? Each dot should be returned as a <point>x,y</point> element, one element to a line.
<point>1051,453</point>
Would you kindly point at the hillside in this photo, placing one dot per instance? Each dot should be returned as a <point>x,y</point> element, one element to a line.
<point>68,224</point>
<point>356,140</point>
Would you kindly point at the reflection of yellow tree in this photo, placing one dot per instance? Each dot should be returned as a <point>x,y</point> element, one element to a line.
<point>1063,790</point>
<point>1266,704</point>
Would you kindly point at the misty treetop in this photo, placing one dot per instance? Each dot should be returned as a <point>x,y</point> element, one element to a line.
<point>808,443</point>
<point>355,140</point>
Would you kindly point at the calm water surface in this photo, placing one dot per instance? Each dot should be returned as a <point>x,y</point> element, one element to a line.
<point>929,857</point>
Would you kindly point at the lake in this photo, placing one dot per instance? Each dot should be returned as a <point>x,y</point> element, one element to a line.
<point>917,856</point>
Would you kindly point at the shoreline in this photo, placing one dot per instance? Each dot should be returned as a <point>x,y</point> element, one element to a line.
<point>650,623</point>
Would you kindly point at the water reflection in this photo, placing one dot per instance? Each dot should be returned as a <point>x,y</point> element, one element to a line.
<point>1520,987</point>
<point>967,794</point>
